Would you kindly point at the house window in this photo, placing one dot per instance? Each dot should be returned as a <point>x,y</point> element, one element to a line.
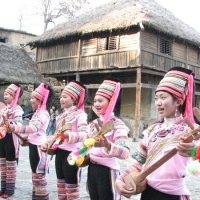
<point>3,40</point>
<point>108,43</point>
<point>165,46</point>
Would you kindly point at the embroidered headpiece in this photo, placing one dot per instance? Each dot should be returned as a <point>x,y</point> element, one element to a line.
<point>41,93</point>
<point>14,91</point>
<point>179,82</point>
<point>76,91</point>
<point>109,89</point>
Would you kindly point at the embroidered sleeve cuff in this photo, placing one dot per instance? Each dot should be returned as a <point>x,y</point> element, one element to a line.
<point>118,151</point>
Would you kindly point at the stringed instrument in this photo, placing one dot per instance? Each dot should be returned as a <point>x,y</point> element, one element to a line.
<point>136,180</point>
<point>51,150</point>
<point>81,157</point>
<point>22,140</point>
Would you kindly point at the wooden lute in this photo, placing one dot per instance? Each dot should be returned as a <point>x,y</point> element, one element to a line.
<point>83,161</point>
<point>135,181</point>
<point>65,127</point>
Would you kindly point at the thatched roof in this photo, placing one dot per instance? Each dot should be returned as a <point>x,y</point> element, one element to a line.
<point>17,66</point>
<point>15,31</point>
<point>121,14</point>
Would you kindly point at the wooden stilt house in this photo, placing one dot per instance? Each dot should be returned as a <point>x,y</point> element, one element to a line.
<point>136,41</point>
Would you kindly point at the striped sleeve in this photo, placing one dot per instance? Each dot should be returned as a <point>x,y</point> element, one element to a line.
<point>34,125</point>
<point>138,157</point>
<point>17,115</point>
<point>120,143</point>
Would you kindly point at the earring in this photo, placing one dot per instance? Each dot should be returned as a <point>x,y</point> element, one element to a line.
<point>39,106</point>
<point>176,113</point>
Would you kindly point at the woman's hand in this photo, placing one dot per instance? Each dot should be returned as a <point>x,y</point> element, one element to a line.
<point>11,128</point>
<point>95,129</point>
<point>103,142</point>
<point>65,136</point>
<point>123,190</point>
<point>185,149</point>
<point>44,147</point>
<point>69,158</point>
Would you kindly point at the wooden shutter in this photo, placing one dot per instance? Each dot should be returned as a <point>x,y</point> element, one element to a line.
<point>112,43</point>
<point>102,43</point>
<point>165,46</point>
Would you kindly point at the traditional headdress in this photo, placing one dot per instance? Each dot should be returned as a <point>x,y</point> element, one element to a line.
<point>14,91</point>
<point>109,89</point>
<point>41,93</point>
<point>77,92</point>
<point>180,82</point>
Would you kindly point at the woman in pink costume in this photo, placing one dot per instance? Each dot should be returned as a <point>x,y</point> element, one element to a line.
<point>72,102</point>
<point>173,100</point>
<point>41,100</point>
<point>104,167</point>
<point>9,143</point>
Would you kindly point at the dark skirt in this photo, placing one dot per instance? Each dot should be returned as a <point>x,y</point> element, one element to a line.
<point>63,170</point>
<point>99,182</point>
<point>7,148</point>
<point>33,157</point>
<point>153,194</point>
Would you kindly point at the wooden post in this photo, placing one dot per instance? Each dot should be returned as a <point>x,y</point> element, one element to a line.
<point>137,105</point>
<point>79,60</point>
<point>186,56</point>
<point>77,76</point>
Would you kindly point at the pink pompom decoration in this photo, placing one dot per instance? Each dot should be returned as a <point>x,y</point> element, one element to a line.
<point>55,146</point>
<point>76,153</point>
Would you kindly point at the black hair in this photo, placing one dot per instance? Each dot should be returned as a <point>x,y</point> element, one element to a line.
<point>91,115</point>
<point>53,105</point>
<point>21,91</point>
<point>50,97</point>
<point>117,108</point>
<point>181,108</point>
<point>181,69</point>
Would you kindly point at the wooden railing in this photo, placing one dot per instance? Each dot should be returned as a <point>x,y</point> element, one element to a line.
<point>89,62</point>
<point>165,62</point>
<point>116,59</point>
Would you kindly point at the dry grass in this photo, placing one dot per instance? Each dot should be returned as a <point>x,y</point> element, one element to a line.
<point>17,66</point>
<point>121,14</point>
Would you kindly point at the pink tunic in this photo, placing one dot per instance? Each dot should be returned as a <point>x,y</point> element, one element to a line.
<point>158,140</point>
<point>78,119</point>
<point>16,117</point>
<point>36,128</point>
<point>119,146</point>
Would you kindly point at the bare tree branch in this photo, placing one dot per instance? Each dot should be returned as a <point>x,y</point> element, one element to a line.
<point>20,19</point>
<point>66,8</point>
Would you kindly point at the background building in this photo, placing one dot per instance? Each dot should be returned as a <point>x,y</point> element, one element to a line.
<point>17,38</point>
<point>136,41</point>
